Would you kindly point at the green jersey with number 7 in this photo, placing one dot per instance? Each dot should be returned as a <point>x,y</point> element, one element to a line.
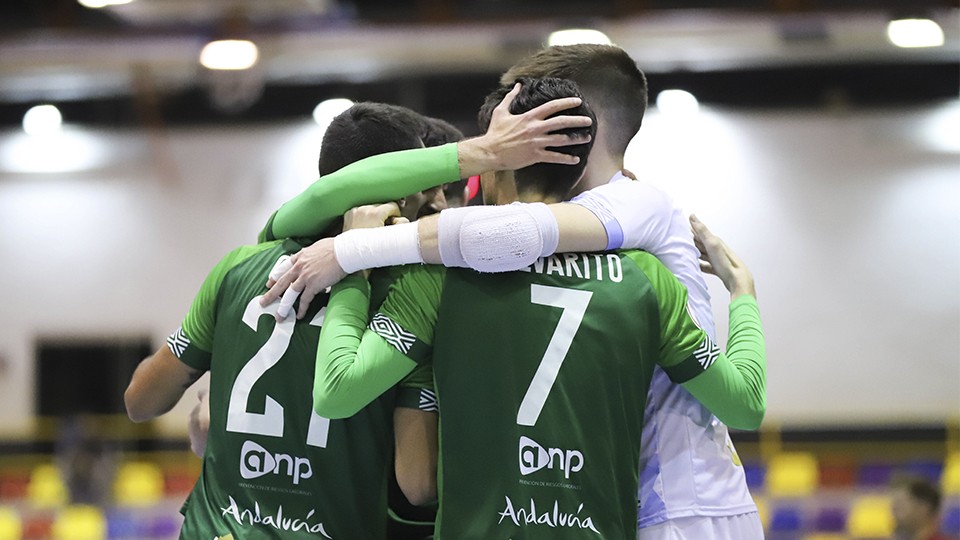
<point>273,468</point>
<point>541,377</point>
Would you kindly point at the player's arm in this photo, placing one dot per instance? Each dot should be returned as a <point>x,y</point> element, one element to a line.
<point>416,442</point>
<point>511,142</point>
<point>463,237</point>
<point>160,380</point>
<point>622,214</point>
<point>198,425</point>
<point>157,385</point>
<point>356,364</point>
<point>732,385</point>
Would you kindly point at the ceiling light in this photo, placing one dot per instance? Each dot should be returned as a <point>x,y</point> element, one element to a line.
<point>577,36</point>
<point>909,33</point>
<point>326,111</point>
<point>61,152</point>
<point>677,103</point>
<point>229,54</point>
<point>42,120</point>
<point>97,4</point>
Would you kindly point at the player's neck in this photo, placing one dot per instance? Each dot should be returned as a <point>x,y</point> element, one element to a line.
<point>530,197</point>
<point>600,169</point>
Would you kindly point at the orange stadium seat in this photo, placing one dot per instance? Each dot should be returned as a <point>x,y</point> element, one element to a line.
<point>37,527</point>
<point>792,475</point>
<point>13,485</point>
<point>837,472</point>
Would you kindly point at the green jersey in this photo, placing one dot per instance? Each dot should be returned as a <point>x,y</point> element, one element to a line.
<point>541,377</point>
<point>272,467</point>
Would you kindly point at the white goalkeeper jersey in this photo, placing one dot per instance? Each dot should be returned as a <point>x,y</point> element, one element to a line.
<point>688,466</point>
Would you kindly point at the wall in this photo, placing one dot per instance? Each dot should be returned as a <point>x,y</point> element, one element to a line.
<point>850,221</point>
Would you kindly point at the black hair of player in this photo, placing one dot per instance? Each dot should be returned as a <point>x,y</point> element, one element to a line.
<point>547,180</point>
<point>367,129</point>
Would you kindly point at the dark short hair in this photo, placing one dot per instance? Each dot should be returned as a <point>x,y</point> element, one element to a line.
<point>367,129</point>
<point>921,489</point>
<point>609,79</point>
<point>437,132</point>
<point>548,179</point>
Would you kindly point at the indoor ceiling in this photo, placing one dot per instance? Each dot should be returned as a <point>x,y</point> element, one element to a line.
<point>108,63</point>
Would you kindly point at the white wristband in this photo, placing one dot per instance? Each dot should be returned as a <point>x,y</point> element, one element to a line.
<point>361,249</point>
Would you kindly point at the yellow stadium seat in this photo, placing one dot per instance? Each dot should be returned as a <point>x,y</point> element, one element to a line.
<point>138,484</point>
<point>80,523</point>
<point>951,475</point>
<point>870,517</point>
<point>826,536</point>
<point>10,526</point>
<point>792,475</point>
<point>46,488</point>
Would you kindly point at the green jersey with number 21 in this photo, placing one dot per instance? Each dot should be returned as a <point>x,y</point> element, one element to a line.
<point>273,468</point>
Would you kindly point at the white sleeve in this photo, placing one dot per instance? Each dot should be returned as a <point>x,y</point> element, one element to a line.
<point>635,214</point>
<point>644,217</point>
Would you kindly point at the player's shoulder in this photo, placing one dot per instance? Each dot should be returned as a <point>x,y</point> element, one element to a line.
<point>244,252</point>
<point>652,267</point>
<point>642,259</point>
<point>621,186</point>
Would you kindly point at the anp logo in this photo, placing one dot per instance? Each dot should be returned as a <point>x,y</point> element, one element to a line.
<point>534,457</point>
<point>256,461</point>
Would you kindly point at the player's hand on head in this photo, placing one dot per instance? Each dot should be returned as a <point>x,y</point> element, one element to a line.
<point>718,259</point>
<point>519,140</point>
<point>371,216</point>
<point>307,273</point>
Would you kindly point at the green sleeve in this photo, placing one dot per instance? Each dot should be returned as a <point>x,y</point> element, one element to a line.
<point>736,383</point>
<point>409,314</point>
<point>733,385</point>
<point>353,366</point>
<point>385,177</point>
<point>193,341</point>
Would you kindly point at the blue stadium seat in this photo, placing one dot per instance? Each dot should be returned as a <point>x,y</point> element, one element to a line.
<point>122,525</point>
<point>831,519</point>
<point>875,475</point>
<point>931,470</point>
<point>755,473</point>
<point>951,520</point>
<point>787,519</point>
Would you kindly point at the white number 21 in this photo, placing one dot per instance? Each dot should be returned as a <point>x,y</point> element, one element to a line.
<point>270,422</point>
<point>574,303</point>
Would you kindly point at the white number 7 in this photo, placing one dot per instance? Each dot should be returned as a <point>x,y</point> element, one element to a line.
<point>574,303</point>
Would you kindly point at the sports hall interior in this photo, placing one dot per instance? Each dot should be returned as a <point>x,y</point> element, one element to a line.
<point>819,138</point>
